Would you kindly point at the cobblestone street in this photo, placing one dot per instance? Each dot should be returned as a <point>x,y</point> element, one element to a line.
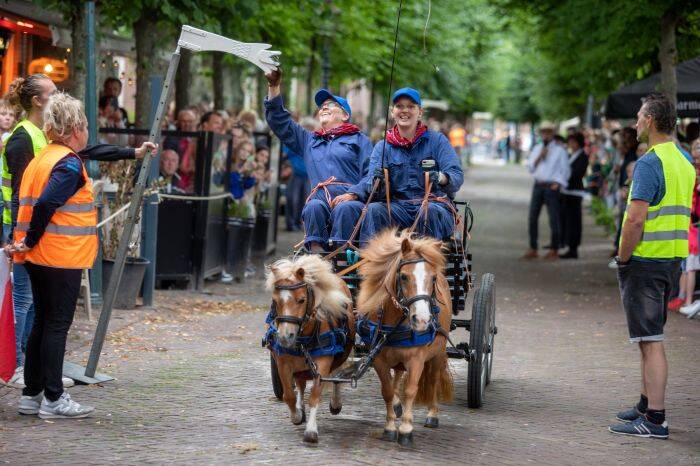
<point>193,384</point>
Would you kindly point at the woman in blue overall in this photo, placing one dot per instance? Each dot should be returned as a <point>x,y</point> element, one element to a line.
<point>410,149</point>
<point>336,157</point>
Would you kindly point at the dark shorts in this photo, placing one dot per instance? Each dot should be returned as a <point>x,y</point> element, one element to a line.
<point>646,288</point>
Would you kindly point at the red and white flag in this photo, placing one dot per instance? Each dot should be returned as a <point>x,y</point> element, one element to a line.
<point>8,357</point>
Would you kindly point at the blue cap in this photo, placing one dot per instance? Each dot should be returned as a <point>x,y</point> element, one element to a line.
<point>412,94</point>
<point>323,94</point>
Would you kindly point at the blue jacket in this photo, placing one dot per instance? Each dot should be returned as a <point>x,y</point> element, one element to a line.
<point>345,157</point>
<point>405,171</point>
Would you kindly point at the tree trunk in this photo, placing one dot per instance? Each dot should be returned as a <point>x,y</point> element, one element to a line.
<point>310,77</point>
<point>218,80</point>
<point>237,95</point>
<point>79,41</point>
<point>146,57</point>
<point>668,55</point>
<point>183,80</point>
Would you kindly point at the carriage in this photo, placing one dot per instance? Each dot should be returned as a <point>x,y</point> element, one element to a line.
<point>478,351</point>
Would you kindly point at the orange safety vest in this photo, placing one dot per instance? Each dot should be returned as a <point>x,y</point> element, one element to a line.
<point>70,239</point>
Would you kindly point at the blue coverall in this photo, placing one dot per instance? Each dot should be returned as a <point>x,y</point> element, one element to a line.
<point>407,186</point>
<point>345,157</point>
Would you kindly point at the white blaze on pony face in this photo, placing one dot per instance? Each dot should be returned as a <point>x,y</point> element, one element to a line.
<point>420,310</point>
<point>288,305</point>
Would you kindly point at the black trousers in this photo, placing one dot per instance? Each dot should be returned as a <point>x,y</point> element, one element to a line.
<point>543,195</point>
<point>572,221</point>
<point>55,296</point>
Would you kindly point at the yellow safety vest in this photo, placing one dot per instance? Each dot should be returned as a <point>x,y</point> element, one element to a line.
<point>38,143</point>
<point>666,226</point>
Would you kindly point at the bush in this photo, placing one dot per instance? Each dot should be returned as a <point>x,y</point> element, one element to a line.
<point>603,216</point>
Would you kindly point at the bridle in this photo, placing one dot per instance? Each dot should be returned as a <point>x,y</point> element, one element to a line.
<point>405,303</point>
<point>308,313</point>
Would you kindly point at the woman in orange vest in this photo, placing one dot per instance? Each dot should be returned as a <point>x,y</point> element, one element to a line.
<point>55,238</point>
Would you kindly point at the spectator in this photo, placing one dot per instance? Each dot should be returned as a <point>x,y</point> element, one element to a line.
<point>110,117</point>
<point>242,180</point>
<point>629,145</point>
<point>186,147</point>
<point>654,241</point>
<point>169,162</point>
<point>262,171</point>
<point>692,263</point>
<point>578,164</point>
<point>549,164</point>
<point>458,138</point>
<point>112,87</point>
<point>213,122</point>
<point>7,122</point>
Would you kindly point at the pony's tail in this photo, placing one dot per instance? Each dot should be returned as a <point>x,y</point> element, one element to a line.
<point>443,384</point>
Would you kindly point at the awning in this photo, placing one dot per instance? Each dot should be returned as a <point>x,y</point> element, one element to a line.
<point>626,102</point>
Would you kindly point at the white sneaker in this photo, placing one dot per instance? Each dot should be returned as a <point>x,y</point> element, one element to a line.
<point>17,379</point>
<point>67,382</point>
<point>612,264</point>
<point>691,310</point>
<point>226,277</point>
<point>63,408</point>
<point>30,404</point>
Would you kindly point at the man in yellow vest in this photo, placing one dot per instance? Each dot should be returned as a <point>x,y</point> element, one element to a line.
<point>653,244</point>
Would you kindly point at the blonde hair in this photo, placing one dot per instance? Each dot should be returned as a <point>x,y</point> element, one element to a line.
<point>6,105</point>
<point>62,115</point>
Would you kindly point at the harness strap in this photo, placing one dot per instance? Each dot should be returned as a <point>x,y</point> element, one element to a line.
<point>387,188</point>
<point>324,186</point>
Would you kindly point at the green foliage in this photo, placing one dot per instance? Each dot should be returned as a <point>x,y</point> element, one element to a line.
<point>603,216</point>
<point>581,47</point>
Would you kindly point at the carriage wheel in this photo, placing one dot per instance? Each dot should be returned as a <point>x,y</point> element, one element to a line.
<point>492,332</point>
<point>480,335</point>
<point>276,381</point>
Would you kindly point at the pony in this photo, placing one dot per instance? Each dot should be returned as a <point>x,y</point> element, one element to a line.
<point>405,298</point>
<point>312,313</point>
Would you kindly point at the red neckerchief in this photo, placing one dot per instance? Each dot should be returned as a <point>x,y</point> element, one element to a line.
<point>395,139</point>
<point>345,128</point>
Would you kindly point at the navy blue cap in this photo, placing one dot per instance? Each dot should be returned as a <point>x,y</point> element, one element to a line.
<point>323,94</point>
<point>412,94</point>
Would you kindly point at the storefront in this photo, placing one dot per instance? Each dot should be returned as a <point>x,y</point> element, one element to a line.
<point>37,40</point>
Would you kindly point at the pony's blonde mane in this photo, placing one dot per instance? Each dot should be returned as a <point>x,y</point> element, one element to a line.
<point>331,301</point>
<point>381,260</point>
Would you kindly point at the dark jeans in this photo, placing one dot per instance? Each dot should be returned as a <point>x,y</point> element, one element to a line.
<point>297,191</point>
<point>55,296</point>
<point>572,221</point>
<point>542,194</point>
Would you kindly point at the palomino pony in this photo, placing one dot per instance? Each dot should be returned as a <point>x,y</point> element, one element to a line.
<point>311,317</point>
<point>405,298</point>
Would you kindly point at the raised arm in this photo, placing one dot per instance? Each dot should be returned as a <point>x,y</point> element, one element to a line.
<point>292,134</point>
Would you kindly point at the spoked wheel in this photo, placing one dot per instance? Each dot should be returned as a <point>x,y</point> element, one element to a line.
<point>481,340</point>
<point>276,381</point>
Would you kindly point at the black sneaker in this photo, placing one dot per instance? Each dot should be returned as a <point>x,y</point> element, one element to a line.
<point>629,415</point>
<point>641,427</point>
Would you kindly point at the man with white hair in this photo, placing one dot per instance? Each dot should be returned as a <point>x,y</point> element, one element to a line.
<point>549,165</point>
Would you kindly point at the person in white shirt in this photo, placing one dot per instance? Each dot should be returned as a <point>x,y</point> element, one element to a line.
<point>549,164</point>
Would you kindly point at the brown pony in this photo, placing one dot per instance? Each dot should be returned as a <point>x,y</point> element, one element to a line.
<point>311,301</point>
<point>402,281</point>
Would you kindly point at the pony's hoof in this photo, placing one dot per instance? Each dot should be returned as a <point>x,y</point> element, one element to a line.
<point>398,410</point>
<point>431,422</point>
<point>406,440</point>
<point>390,435</point>
<point>310,437</point>
<point>301,420</point>
<point>335,411</point>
